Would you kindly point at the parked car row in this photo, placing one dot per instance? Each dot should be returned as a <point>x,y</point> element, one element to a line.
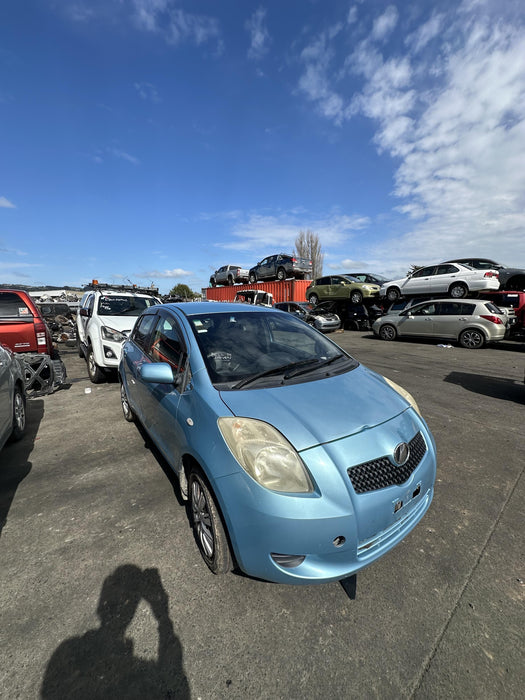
<point>340,287</point>
<point>106,315</point>
<point>321,317</point>
<point>274,267</point>
<point>450,279</point>
<point>470,322</point>
<point>229,274</point>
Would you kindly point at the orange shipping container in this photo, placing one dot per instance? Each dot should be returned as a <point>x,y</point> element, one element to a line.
<point>287,290</point>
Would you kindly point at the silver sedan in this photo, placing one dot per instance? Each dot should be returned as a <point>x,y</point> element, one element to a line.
<point>472,323</point>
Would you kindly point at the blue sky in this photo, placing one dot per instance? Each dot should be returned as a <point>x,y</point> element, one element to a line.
<point>156,140</point>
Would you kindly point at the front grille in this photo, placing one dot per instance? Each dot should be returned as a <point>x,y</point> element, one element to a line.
<point>380,473</point>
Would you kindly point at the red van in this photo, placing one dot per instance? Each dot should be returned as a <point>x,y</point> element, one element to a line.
<point>22,327</point>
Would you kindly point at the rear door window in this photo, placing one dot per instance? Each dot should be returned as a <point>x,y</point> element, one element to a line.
<point>12,306</point>
<point>142,330</point>
<point>492,308</point>
<point>446,269</point>
<point>455,308</point>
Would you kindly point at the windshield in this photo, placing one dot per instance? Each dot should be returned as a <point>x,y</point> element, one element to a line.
<point>256,350</point>
<point>325,307</point>
<point>124,305</point>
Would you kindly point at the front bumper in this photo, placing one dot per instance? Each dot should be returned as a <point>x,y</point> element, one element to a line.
<point>334,532</point>
<point>109,354</point>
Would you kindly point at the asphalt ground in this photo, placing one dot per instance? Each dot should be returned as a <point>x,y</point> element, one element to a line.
<point>103,592</point>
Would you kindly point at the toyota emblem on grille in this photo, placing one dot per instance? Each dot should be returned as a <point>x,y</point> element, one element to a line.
<point>401,454</point>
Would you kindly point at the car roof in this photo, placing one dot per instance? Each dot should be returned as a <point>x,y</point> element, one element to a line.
<point>16,291</point>
<point>472,257</point>
<point>449,299</point>
<point>123,293</point>
<point>214,307</point>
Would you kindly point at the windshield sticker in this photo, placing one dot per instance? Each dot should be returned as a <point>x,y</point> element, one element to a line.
<point>23,311</point>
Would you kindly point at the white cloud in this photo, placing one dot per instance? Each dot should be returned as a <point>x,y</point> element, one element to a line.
<point>6,204</point>
<point>258,234</point>
<point>148,92</point>
<point>174,24</point>
<point>165,274</point>
<point>315,81</point>
<point>425,33</point>
<point>452,118</point>
<point>162,17</point>
<point>351,17</point>
<point>259,36</point>
<point>385,23</point>
<point>122,155</point>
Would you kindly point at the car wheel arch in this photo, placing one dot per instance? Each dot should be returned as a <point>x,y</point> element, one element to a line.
<point>472,329</point>
<point>190,466</point>
<point>18,430</point>
<point>393,293</point>
<point>461,285</point>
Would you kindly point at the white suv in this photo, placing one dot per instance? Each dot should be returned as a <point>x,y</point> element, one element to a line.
<point>106,316</point>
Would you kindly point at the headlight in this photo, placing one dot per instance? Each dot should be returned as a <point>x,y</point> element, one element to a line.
<point>111,334</point>
<point>404,393</point>
<point>265,455</point>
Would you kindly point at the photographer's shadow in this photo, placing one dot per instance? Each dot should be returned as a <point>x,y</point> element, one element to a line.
<point>101,663</point>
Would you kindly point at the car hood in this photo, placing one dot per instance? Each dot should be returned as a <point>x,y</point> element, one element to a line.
<point>119,323</point>
<point>321,411</point>
<point>324,314</point>
<point>395,282</point>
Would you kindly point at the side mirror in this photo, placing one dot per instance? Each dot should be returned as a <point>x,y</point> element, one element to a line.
<point>85,312</point>
<point>156,373</point>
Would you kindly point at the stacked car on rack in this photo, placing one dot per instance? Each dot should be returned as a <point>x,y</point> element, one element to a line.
<point>443,310</point>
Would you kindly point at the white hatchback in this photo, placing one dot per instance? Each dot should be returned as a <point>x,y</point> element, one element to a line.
<point>454,279</point>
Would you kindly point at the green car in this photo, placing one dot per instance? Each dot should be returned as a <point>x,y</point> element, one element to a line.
<point>340,287</point>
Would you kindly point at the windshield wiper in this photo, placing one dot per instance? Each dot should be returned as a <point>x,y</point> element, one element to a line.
<point>273,370</point>
<point>318,364</point>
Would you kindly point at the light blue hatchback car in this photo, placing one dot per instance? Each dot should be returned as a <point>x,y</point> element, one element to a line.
<point>300,464</point>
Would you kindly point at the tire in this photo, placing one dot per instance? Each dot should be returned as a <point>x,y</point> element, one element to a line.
<point>207,525</point>
<point>95,373</point>
<point>313,299</point>
<point>79,349</point>
<point>472,339</point>
<point>356,297</point>
<point>126,408</point>
<point>458,291</point>
<point>19,415</point>
<point>213,282</point>
<point>253,278</point>
<point>230,281</point>
<point>393,294</point>
<point>387,332</point>
<point>281,274</point>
